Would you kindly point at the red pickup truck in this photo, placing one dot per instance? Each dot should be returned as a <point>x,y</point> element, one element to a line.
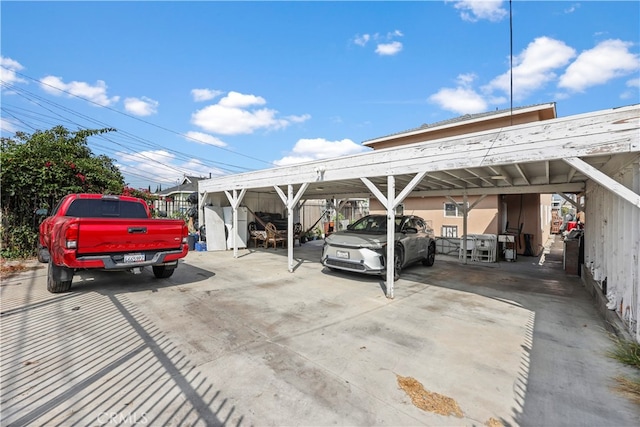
<point>96,231</point>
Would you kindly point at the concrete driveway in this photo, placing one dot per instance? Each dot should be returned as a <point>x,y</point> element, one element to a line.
<point>243,342</point>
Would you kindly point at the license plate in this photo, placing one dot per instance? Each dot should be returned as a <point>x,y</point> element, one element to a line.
<point>342,254</point>
<point>133,258</point>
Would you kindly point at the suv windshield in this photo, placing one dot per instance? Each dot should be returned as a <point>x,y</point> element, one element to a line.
<point>374,224</point>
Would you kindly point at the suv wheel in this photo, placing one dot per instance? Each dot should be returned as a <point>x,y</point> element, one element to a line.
<point>431,255</point>
<point>398,260</point>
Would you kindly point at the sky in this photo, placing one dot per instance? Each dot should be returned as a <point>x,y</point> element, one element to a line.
<point>207,88</point>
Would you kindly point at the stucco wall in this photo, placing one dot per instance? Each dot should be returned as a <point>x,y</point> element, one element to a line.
<point>483,218</point>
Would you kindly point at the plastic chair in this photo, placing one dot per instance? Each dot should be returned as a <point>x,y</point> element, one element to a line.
<point>485,248</point>
<point>471,248</point>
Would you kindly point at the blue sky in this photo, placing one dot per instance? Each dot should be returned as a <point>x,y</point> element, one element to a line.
<point>202,88</point>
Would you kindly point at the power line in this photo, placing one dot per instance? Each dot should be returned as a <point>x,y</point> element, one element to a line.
<point>31,97</point>
<point>78,124</point>
<point>130,141</point>
<point>135,118</point>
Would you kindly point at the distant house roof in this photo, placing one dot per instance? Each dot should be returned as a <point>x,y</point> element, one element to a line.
<point>469,119</point>
<point>189,185</point>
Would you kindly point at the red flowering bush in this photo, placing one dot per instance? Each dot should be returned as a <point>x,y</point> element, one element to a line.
<point>37,170</point>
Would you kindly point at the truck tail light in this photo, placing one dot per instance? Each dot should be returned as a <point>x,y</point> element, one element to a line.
<point>71,236</point>
<point>185,235</point>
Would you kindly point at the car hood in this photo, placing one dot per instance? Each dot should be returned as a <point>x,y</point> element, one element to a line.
<point>356,239</point>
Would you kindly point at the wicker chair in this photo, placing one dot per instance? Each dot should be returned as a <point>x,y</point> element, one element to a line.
<point>273,237</point>
<point>258,236</point>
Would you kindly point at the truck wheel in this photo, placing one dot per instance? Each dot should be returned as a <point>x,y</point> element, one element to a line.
<point>55,276</point>
<point>162,271</point>
<point>43,255</point>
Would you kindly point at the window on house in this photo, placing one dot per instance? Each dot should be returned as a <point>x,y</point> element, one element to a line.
<point>453,209</point>
<point>449,231</point>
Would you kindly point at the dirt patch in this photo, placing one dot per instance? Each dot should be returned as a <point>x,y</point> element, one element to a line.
<point>493,423</point>
<point>428,401</point>
<point>10,268</point>
<point>7,270</point>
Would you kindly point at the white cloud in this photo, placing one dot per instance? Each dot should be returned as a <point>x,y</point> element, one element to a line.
<point>476,10</point>
<point>204,138</point>
<point>632,93</point>
<point>298,119</point>
<point>8,70</point>
<point>606,61</point>
<point>386,49</point>
<point>386,45</point>
<point>97,93</point>
<point>361,40</point>
<point>161,165</point>
<point>240,100</point>
<point>7,126</point>
<point>533,68</point>
<point>234,115</point>
<point>307,150</point>
<point>141,106</point>
<point>461,100</point>
<point>205,94</point>
<point>572,8</point>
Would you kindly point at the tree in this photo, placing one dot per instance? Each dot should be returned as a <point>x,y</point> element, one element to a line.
<point>37,170</point>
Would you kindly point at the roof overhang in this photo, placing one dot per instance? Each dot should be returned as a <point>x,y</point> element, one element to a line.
<point>545,111</point>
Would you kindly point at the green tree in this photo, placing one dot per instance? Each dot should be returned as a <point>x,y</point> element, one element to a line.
<point>37,170</point>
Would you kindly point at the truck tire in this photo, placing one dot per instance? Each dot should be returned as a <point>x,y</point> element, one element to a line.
<point>58,278</point>
<point>43,255</point>
<point>162,271</point>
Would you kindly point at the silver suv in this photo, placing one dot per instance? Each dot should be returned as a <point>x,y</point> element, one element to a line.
<point>362,247</point>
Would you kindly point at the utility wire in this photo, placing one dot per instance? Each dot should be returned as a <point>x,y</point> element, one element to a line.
<point>145,143</point>
<point>141,155</point>
<point>511,58</point>
<point>134,117</point>
<point>132,140</point>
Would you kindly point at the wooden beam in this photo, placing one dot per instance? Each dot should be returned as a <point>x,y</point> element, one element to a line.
<point>605,181</point>
<point>522,174</point>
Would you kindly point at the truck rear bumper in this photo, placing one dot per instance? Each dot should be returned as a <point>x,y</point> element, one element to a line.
<point>117,261</point>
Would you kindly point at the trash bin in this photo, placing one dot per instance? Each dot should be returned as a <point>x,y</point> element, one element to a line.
<point>191,240</point>
<point>571,256</point>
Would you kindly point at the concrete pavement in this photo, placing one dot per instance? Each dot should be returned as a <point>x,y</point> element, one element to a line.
<point>244,342</point>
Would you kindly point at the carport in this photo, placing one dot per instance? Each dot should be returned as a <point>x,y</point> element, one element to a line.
<point>596,154</point>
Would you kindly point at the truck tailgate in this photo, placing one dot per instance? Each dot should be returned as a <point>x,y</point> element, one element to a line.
<point>99,235</point>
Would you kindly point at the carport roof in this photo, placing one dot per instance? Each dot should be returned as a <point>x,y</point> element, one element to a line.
<point>552,156</point>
